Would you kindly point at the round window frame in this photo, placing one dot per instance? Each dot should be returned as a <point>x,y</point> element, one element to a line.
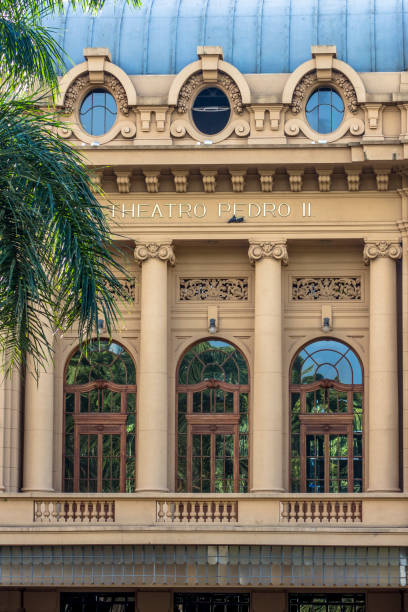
<point>106,136</point>
<point>309,94</point>
<point>200,89</point>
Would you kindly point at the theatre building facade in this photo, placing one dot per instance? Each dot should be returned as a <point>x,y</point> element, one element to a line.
<point>240,443</point>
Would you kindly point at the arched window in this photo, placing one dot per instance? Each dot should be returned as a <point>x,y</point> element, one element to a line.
<point>324,110</point>
<point>212,419</point>
<point>100,419</point>
<point>98,112</point>
<point>326,395</point>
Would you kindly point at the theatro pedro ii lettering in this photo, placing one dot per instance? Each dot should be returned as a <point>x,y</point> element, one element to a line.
<point>239,211</point>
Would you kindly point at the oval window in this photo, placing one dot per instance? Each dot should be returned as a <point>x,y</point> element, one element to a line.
<point>324,110</point>
<point>211,110</point>
<point>98,112</point>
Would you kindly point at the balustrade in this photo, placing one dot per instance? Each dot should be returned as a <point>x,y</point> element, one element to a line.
<point>197,511</point>
<point>321,511</point>
<point>74,511</point>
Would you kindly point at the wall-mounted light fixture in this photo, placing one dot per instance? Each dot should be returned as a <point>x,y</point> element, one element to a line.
<point>326,324</point>
<point>327,318</point>
<point>212,328</point>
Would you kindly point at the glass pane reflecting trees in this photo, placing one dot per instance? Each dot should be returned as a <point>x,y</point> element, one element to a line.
<point>324,110</point>
<point>98,112</point>
<point>326,400</point>
<point>212,419</point>
<point>100,419</point>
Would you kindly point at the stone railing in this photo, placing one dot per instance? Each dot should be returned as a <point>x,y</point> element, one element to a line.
<point>197,511</point>
<point>321,511</point>
<point>74,511</point>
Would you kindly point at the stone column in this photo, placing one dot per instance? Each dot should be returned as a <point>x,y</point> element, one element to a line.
<point>39,426</point>
<point>152,431</point>
<point>383,441</point>
<point>267,404</point>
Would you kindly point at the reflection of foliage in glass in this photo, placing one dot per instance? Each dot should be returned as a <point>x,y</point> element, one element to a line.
<point>331,360</point>
<point>108,362</point>
<point>101,360</point>
<point>219,360</point>
<point>326,359</point>
<point>213,359</point>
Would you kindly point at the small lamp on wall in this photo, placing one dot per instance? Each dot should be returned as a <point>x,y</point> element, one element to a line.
<point>326,324</point>
<point>327,318</point>
<point>212,328</point>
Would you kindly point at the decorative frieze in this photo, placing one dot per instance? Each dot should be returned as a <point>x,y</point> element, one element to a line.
<point>129,287</point>
<point>218,289</point>
<point>326,288</point>
<point>155,250</point>
<point>381,248</point>
<point>259,250</point>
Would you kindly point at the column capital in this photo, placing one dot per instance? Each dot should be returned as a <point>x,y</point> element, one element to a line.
<point>155,250</point>
<point>381,248</point>
<point>276,250</point>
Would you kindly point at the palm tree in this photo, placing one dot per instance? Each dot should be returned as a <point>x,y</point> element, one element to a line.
<point>57,260</point>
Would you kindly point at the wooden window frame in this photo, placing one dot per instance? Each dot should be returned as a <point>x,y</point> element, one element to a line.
<point>211,423</point>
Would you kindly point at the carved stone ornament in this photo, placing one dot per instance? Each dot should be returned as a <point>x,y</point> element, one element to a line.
<point>381,248</point>
<point>217,289</point>
<point>300,90</point>
<point>225,81</point>
<point>275,250</point>
<point>310,78</point>
<point>118,92</point>
<point>73,92</point>
<point>154,250</point>
<point>81,82</point>
<point>323,288</point>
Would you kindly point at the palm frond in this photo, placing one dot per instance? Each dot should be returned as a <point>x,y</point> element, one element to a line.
<point>56,258</point>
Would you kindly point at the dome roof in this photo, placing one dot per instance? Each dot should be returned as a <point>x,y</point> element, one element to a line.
<point>268,36</point>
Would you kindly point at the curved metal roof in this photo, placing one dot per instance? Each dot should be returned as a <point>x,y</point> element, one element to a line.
<point>267,36</point>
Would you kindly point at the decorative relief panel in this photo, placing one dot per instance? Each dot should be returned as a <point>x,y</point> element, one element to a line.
<point>129,287</point>
<point>326,288</point>
<point>217,289</point>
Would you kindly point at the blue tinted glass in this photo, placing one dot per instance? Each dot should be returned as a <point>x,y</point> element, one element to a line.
<point>324,110</point>
<point>98,112</point>
<point>211,110</point>
<point>326,371</point>
<point>329,359</point>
